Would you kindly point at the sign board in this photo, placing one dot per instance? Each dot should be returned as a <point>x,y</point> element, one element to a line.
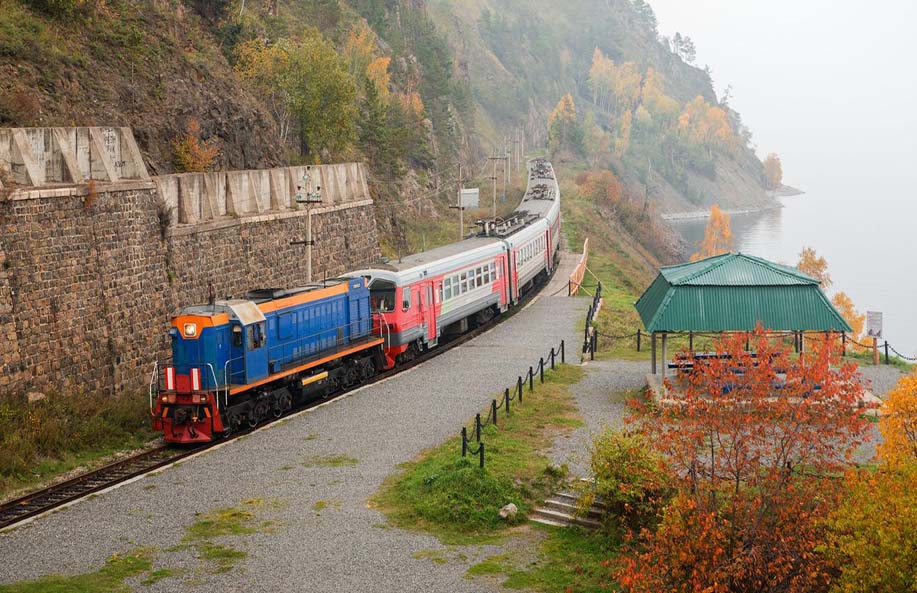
<point>468,198</point>
<point>874,324</point>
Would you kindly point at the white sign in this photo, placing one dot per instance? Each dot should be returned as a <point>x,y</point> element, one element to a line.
<point>874,324</point>
<point>468,198</point>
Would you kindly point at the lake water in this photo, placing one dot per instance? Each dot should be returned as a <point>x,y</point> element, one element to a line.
<point>869,245</point>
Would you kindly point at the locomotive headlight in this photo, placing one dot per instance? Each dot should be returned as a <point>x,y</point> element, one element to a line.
<point>190,330</point>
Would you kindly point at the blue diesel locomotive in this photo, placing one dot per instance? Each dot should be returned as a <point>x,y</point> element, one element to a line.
<point>238,362</point>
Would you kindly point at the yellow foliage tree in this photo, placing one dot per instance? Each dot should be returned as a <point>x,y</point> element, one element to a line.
<point>263,67</point>
<point>358,49</point>
<point>718,237</point>
<point>411,102</point>
<point>189,153</point>
<point>773,171</point>
<point>898,424</point>
<point>377,72</point>
<point>562,124</point>
<point>662,107</point>
<point>622,142</point>
<point>814,265</point>
<point>844,305</point>
<point>706,125</point>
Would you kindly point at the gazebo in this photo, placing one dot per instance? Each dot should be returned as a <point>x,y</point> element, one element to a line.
<point>734,292</point>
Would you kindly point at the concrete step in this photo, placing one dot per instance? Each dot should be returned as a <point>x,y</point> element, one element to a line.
<point>541,515</point>
<point>571,507</point>
<point>572,497</point>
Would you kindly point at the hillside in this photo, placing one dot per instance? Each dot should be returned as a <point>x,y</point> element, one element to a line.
<point>523,56</point>
<point>410,86</point>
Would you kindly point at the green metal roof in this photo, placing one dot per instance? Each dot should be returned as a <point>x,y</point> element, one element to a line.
<point>734,292</point>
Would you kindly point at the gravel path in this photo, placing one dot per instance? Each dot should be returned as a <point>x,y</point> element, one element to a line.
<point>601,400</point>
<point>344,547</point>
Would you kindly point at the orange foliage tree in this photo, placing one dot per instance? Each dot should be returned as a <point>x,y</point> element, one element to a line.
<point>753,442</point>
<point>717,236</point>
<point>814,265</point>
<point>898,424</point>
<point>856,320</point>
<point>773,171</point>
<point>189,153</point>
<point>602,186</point>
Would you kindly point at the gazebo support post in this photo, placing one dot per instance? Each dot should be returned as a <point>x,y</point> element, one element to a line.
<point>665,336</point>
<point>802,342</point>
<point>653,349</point>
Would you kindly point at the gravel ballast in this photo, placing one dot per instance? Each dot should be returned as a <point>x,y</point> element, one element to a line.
<point>346,546</point>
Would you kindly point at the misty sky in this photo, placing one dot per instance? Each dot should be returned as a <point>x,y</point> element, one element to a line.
<point>830,86</point>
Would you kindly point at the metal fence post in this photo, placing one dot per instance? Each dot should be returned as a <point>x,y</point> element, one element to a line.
<point>481,454</point>
<point>464,441</point>
<point>886,351</point>
<point>493,409</point>
<point>638,339</point>
<point>506,399</point>
<point>541,364</point>
<point>552,358</point>
<point>477,426</point>
<point>595,339</point>
<point>562,352</point>
<point>531,379</point>
<point>519,387</point>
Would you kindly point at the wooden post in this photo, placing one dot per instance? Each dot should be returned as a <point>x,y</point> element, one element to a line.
<point>653,350</point>
<point>665,335</point>
<point>875,351</point>
<point>691,341</point>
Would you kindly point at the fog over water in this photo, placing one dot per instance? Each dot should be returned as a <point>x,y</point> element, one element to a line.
<point>832,88</point>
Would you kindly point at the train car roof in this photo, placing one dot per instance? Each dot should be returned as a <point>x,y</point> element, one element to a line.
<point>432,256</point>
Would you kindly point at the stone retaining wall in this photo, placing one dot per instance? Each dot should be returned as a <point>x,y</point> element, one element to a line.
<point>88,281</point>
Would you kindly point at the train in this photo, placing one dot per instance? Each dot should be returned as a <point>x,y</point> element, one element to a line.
<point>238,362</point>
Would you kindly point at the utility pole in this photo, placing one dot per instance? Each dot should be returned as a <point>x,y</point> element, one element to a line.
<point>460,207</point>
<point>493,181</point>
<point>309,198</point>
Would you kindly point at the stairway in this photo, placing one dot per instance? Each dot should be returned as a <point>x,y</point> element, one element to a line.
<point>560,511</point>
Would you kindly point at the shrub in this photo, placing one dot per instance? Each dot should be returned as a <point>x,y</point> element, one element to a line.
<point>629,476</point>
<point>873,532</point>
<point>189,154</point>
<point>57,8</point>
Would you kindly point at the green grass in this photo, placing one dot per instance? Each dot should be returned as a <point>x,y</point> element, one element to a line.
<point>223,557</point>
<point>864,358</point>
<point>451,497</point>
<point>158,575</point>
<point>329,461</point>
<point>569,559</point>
<point>108,579</point>
<point>321,505</point>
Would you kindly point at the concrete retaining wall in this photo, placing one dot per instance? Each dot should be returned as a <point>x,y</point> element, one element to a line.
<point>202,197</point>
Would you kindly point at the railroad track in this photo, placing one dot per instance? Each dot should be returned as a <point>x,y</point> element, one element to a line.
<point>46,499</point>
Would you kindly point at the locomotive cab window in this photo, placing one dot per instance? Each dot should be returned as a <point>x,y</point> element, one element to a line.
<point>382,296</point>
<point>237,336</point>
<point>256,337</point>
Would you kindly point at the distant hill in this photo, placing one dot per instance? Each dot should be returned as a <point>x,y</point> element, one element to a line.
<point>522,56</point>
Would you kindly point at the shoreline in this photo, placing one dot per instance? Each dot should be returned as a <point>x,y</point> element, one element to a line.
<point>701,214</point>
<point>784,191</point>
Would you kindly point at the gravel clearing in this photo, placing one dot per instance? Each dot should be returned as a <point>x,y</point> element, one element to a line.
<point>346,546</point>
<point>601,400</point>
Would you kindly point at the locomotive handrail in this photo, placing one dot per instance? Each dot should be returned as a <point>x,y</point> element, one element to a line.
<point>216,384</point>
<point>154,380</point>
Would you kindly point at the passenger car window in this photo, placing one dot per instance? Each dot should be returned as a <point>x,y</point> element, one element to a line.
<point>406,298</point>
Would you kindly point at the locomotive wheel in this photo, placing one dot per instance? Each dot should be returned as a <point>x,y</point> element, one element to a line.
<point>252,417</point>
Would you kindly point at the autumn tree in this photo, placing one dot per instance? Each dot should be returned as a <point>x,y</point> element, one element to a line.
<point>602,186</point>
<point>377,72</point>
<point>754,441</point>
<point>872,533</point>
<point>563,128</point>
<point>773,172</point>
<point>812,264</point>
<point>898,424</point>
<point>663,108</point>
<point>307,85</point>
<point>706,125</point>
<point>265,69</point>
<point>596,140</point>
<point>855,319</point>
<point>359,48</point>
<point>190,153</point>
<point>622,142</point>
<point>717,236</point>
